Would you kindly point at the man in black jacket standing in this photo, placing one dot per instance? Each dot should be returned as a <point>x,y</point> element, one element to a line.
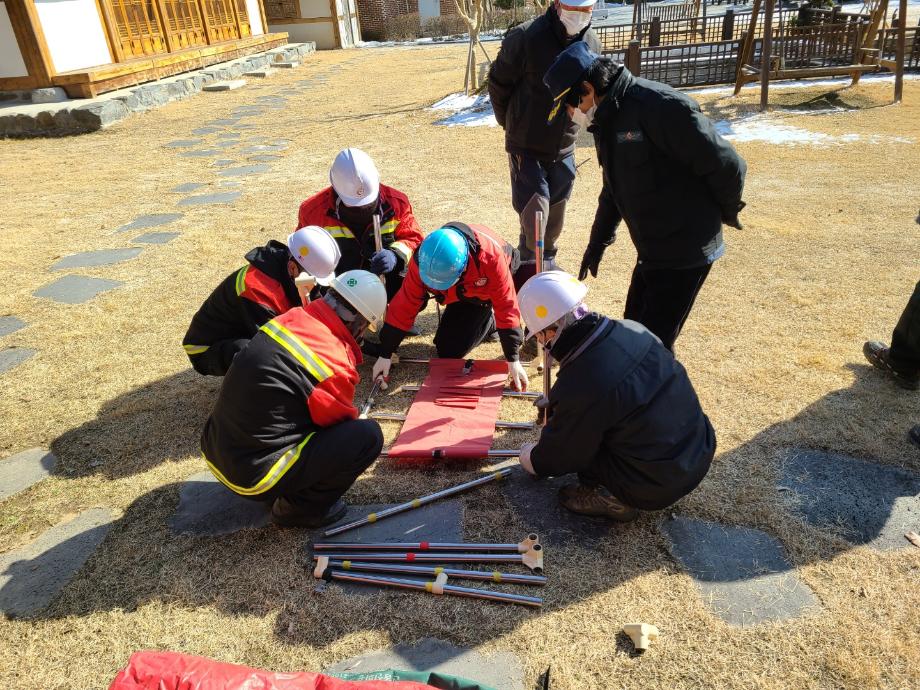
<point>540,153</point>
<point>622,413</point>
<point>667,173</point>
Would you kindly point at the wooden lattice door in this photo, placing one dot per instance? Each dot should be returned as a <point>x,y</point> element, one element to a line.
<point>221,20</point>
<point>242,15</point>
<point>139,29</point>
<point>184,23</point>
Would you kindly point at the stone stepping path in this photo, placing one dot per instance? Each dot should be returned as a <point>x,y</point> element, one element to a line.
<point>263,148</point>
<point>75,289</point>
<point>536,504</point>
<point>13,357</point>
<point>100,257</point>
<point>201,131</point>
<point>20,471</point>
<point>265,157</point>
<point>224,122</point>
<point>229,184</point>
<point>183,143</point>
<point>867,503</point>
<point>742,573</point>
<point>501,670</point>
<point>156,237</point>
<point>244,171</point>
<point>200,153</point>
<point>230,85</point>
<point>150,220</point>
<point>30,577</point>
<point>208,508</point>
<point>187,187</point>
<point>10,324</point>
<point>208,199</point>
<point>229,135</point>
<point>223,162</point>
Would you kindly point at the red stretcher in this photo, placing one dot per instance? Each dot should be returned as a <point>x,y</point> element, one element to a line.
<point>454,412</point>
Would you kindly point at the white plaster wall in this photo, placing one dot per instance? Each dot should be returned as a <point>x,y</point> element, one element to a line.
<point>74,33</point>
<point>321,33</point>
<point>315,8</point>
<point>11,62</point>
<point>255,17</point>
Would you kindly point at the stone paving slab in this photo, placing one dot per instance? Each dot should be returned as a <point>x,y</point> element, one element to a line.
<point>225,144</point>
<point>14,356</point>
<point>156,237</point>
<point>742,573</point>
<point>223,122</point>
<point>245,170</point>
<point>100,257</point>
<point>201,131</point>
<point>536,504</point>
<point>20,471</point>
<point>30,577</point>
<point>265,157</point>
<point>208,199</point>
<point>10,324</point>
<point>223,184</point>
<point>223,162</point>
<point>187,187</point>
<point>501,670</point>
<point>150,220</point>
<point>201,153</point>
<point>230,85</point>
<point>75,289</point>
<point>229,135</point>
<point>865,502</point>
<point>264,148</point>
<point>208,508</point>
<point>183,143</point>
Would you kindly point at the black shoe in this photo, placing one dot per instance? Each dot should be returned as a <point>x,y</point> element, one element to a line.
<point>914,435</point>
<point>879,356</point>
<point>595,501</point>
<point>286,513</point>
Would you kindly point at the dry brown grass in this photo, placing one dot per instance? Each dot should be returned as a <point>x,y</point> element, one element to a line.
<point>827,260</point>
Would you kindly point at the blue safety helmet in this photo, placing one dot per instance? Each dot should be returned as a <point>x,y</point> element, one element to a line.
<point>442,258</point>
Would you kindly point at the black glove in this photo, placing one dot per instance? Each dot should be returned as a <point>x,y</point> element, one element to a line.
<point>383,261</point>
<point>731,217</point>
<point>591,261</point>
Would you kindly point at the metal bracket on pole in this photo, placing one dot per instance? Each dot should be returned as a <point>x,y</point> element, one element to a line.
<point>366,408</point>
<point>533,559</point>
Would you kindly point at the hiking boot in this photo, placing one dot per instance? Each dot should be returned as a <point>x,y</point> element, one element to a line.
<point>287,513</point>
<point>595,501</point>
<point>879,356</point>
<point>914,435</point>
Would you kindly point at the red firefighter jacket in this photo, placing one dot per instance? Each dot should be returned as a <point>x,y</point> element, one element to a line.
<point>486,280</point>
<point>297,375</point>
<point>399,230</point>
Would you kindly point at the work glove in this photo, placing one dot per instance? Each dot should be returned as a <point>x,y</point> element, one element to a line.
<point>524,458</point>
<point>731,217</point>
<point>591,261</point>
<point>517,375</point>
<point>381,371</point>
<point>383,261</point>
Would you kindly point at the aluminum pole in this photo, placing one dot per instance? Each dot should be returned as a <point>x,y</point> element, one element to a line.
<point>422,586</point>
<point>481,575</point>
<point>378,240</point>
<point>366,409</point>
<point>533,559</point>
<point>507,392</point>
<point>394,417</point>
<point>441,454</point>
<point>424,500</point>
<point>522,547</point>
<point>539,240</point>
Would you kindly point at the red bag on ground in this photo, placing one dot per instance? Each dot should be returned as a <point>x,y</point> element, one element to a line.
<point>453,412</point>
<point>174,671</point>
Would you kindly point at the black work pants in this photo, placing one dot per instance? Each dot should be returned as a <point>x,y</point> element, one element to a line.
<point>463,326</point>
<point>905,341</point>
<point>216,360</point>
<point>661,298</point>
<point>329,464</point>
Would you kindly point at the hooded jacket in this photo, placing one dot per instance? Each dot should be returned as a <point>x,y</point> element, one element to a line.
<point>667,173</point>
<point>621,399</point>
<point>519,97</point>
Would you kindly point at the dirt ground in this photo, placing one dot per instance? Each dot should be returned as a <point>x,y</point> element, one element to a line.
<point>827,259</point>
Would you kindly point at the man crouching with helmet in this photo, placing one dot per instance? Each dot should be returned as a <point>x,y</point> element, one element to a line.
<point>284,427</point>
<point>622,413</point>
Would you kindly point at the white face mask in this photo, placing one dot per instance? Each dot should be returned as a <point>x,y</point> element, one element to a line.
<point>574,22</point>
<point>584,119</point>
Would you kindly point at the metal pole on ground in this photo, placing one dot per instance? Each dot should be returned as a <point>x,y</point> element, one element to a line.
<point>521,547</point>
<point>533,559</point>
<point>902,52</point>
<point>435,570</point>
<point>540,238</point>
<point>765,54</point>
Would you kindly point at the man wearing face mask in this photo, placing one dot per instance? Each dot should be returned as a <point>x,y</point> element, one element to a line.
<point>540,153</point>
<point>666,172</point>
<point>346,211</point>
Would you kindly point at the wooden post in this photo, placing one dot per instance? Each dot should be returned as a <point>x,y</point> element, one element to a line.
<point>639,24</point>
<point>27,28</point>
<point>654,32</point>
<point>633,58</point>
<point>766,54</point>
<point>747,47</point>
<point>902,52</point>
<point>728,24</point>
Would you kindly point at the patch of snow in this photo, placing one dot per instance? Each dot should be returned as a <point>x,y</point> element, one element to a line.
<point>485,37</point>
<point>468,111</point>
<point>763,128</point>
<point>802,83</point>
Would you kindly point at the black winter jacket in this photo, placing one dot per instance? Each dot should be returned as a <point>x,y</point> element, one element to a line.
<point>621,400</point>
<point>667,173</point>
<point>519,97</point>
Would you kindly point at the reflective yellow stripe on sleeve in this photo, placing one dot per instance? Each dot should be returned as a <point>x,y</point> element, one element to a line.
<point>315,366</point>
<point>272,477</point>
<point>195,349</point>
<point>339,231</point>
<point>402,250</point>
<point>389,227</point>
<point>241,280</point>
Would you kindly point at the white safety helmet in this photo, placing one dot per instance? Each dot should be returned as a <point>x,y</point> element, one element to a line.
<point>547,297</point>
<point>316,252</point>
<point>363,291</point>
<point>354,177</point>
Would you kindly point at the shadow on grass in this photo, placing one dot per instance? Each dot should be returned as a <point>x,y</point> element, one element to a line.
<point>141,429</point>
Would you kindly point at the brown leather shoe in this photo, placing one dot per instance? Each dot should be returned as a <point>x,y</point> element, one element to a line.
<point>595,501</point>
<point>878,355</point>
